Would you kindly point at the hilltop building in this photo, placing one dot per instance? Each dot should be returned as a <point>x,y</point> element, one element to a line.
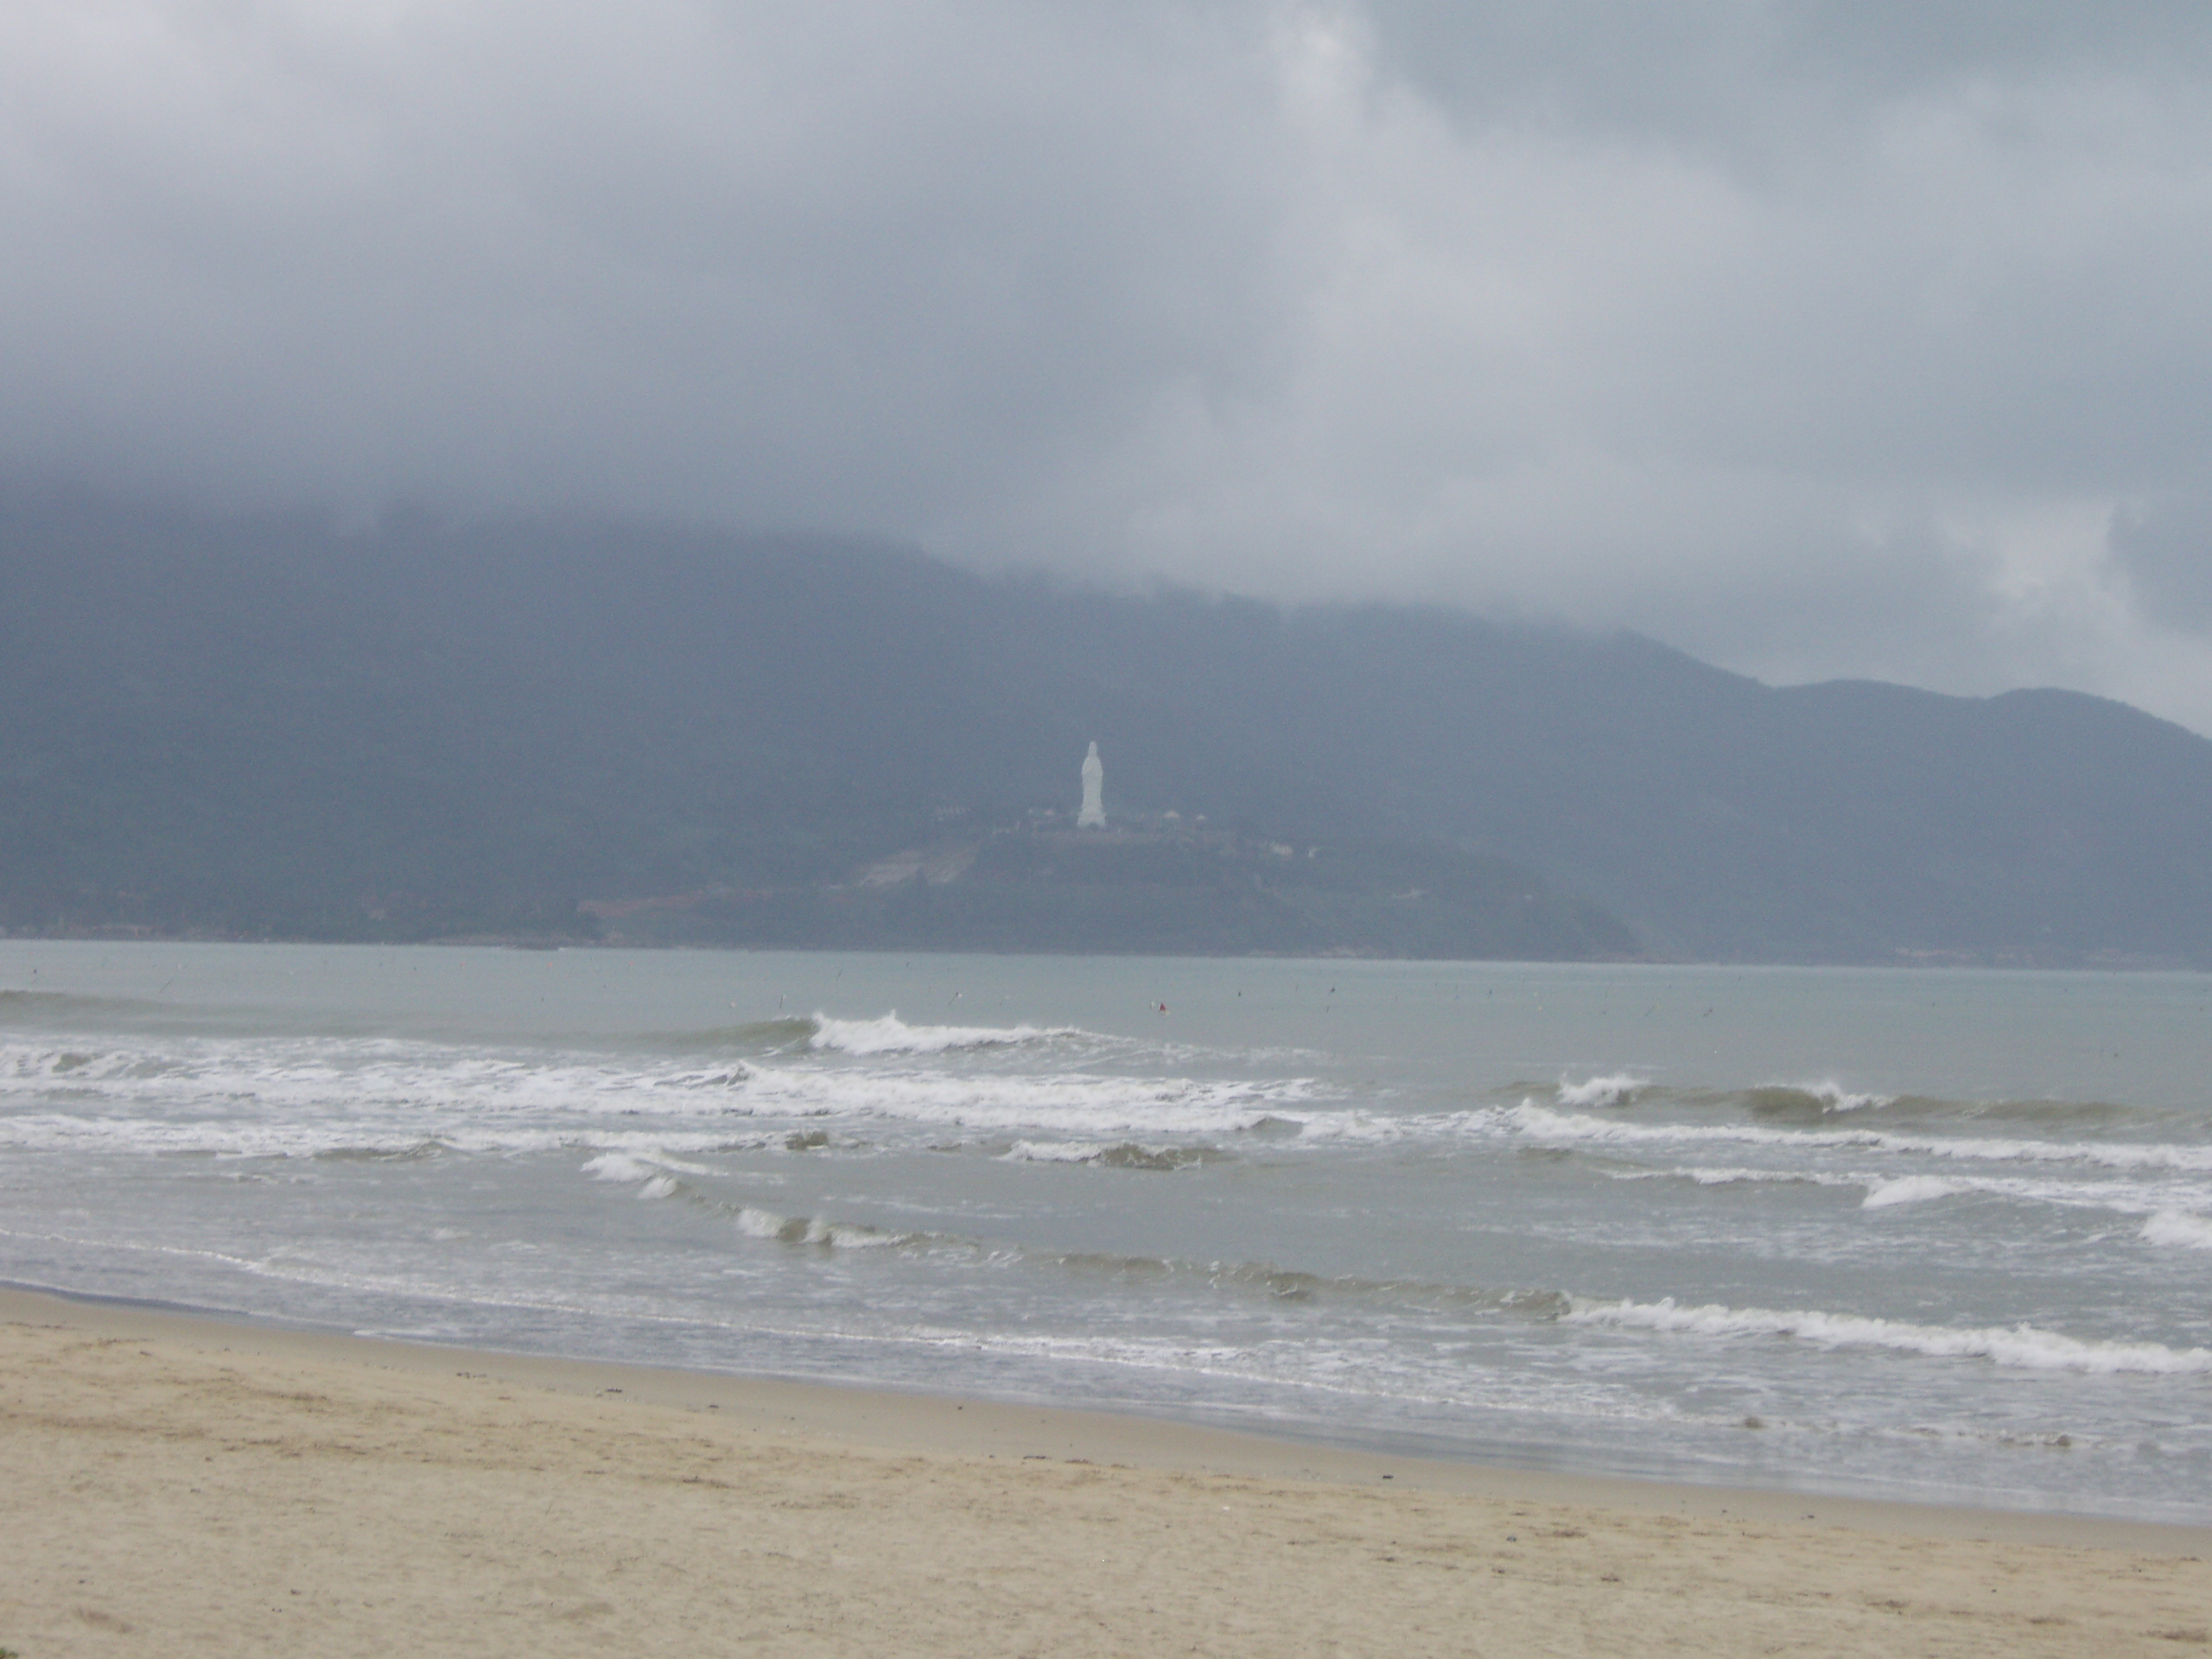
<point>1093,816</point>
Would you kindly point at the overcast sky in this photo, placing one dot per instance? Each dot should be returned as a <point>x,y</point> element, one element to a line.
<point>1871,338</point>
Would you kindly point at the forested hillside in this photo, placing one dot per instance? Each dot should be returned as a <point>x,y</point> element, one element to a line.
<point>267,726</point>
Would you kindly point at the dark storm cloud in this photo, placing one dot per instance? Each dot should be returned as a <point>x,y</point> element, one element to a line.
<point>1765,82</point>
<point>733,260</point>
<point>1817,338</point>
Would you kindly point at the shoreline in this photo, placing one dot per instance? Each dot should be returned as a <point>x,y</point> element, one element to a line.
<point>886,1420</point>
<point>252,1489</point>
<point>2121,963</point>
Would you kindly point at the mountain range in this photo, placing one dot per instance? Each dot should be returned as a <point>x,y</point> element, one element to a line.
<point>272,727</point>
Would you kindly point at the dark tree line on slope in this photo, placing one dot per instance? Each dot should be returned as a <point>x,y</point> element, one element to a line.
<point>265,727</point>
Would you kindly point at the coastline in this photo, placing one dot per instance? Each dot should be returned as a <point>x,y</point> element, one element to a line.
<point>187,1465</point>
<point>2020,961</point>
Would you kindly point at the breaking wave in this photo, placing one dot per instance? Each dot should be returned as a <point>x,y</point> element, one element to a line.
<point>279,1097</point>
<point>1825,1101</point>
<point>1738,1177</point>
<point>657,1174</point>
<point>889,1034</point>
<point>618,1167</point>
<point>1617,1089</point>
<point>2179,1227</point>
<point>1540,1123</point>
<point>1914,1189</point>
<point>756,1222</point>
<point>1811,1099</point>
<point>2021,1346</point>
<point>2171,1204</point>
<point>1122,1154</point>
<point>2128,1198</point>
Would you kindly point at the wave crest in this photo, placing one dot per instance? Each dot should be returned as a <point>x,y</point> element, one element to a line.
<point>889,1034</point>
<point>1821,1099</point>
<point>2179,1227</point>
<point>1542,1124</point>
<point>1122,1154</point>
<point>2025,1346</point>
<point>1615,1088</point>
<point>1913,1189</point>
<point>756,1222</point>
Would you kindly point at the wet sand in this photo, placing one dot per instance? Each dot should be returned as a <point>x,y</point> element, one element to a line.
<point>173,1482</point>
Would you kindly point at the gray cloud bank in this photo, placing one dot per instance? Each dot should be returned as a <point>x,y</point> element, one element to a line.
<point>1818,339</point>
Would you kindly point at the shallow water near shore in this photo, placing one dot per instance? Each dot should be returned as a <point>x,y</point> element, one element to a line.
<point>1916,1234</point>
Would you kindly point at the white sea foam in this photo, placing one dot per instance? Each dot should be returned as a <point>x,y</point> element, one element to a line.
<point>1739,1177</point>
<point>1832,1096</point>
<point>756,1222</point>
<point>1119,1154</point>
<point>2137,1196</point>
<point>347,1077</point>
<point>1041,1107</point>
<point>2181,1228</point>
<point>2128,1198</point>
<point>1914,1189</point>
<point>1076,1103</point>
<point>295,1097</point>
<point>1617,1089</point>
<point>619,1166</point>
<point>891,1035</point>
<point>1540,1123</point>
<point>365,1138</point>
<point>2021,1346</point>
<point>657,1170</point>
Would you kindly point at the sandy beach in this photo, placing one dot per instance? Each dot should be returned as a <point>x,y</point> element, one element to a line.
<point>179,1483</point>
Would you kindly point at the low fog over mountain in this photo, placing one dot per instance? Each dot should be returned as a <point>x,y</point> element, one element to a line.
<point>568,728</point>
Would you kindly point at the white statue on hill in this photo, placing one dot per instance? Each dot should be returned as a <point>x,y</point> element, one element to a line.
<point>1093,816</point>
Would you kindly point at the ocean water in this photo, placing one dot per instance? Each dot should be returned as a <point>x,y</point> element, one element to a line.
<point>1931,1234</point>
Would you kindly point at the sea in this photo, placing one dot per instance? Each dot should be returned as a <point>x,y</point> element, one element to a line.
<point>1933,1235</point>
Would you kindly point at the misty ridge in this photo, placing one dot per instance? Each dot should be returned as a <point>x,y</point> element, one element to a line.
<point>570,730</point>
